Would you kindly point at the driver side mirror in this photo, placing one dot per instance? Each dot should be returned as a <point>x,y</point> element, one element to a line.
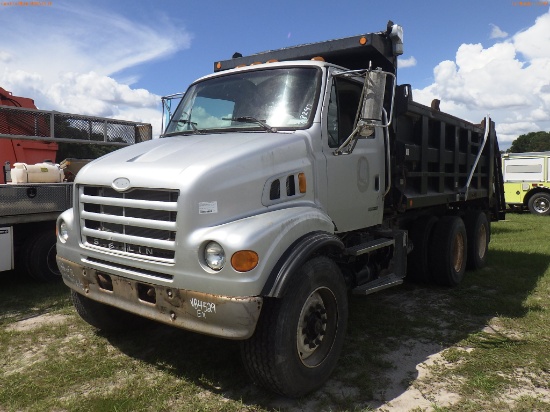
<point>371,112</point>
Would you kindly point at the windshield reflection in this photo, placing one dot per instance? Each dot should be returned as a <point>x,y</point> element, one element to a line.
<point>280,98</point>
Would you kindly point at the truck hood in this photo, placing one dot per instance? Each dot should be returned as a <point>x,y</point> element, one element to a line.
<point>230,170</point>
<point>166,159</point>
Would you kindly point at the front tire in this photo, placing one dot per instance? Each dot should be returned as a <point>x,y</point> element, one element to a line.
<point>299,338</point>
<point>539,204</point>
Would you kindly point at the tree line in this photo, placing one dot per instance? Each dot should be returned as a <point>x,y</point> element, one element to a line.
<point>531,142</point>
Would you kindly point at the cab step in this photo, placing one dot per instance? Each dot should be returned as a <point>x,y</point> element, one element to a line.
<point>378,284</point>
<point>369,247</point>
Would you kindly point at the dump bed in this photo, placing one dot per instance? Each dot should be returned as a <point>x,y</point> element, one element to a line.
<point>439,159</point>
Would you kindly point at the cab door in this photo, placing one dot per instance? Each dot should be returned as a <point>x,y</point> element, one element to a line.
<point>355,182</point>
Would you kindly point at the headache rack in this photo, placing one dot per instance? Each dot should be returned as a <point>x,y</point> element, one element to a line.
<point>356,52</point>
<point>51,126</point>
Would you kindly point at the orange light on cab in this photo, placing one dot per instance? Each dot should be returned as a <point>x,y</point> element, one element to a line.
<point>318,59</point>
<point>363,41</point>
<point>302,182</point>
<point>244,260</point>
<point>218,65</point>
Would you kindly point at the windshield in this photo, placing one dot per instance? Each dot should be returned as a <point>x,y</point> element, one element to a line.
<point>280,98</point>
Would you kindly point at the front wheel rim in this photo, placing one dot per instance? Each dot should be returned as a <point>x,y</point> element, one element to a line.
<point>317,327</point>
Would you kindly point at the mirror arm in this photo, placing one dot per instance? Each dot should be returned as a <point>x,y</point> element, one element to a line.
<point>351,141</point>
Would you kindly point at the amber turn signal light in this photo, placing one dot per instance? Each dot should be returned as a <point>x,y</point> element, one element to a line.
<point>244,260</point>
<point>302,182</point>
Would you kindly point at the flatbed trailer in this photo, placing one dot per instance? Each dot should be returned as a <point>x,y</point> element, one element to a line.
<point>28,211</point>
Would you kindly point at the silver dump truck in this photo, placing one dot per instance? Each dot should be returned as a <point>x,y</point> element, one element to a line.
<point>283,182</point>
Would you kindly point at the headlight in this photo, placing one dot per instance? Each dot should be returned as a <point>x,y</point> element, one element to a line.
<point>63,231</point>
<point>214,255</point>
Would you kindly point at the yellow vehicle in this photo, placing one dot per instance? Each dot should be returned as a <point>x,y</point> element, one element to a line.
<point>527,181</point>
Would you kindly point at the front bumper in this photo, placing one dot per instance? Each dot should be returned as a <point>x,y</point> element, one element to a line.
<point>215,315</point>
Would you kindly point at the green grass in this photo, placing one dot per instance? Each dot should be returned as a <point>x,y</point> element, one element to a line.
<point>492,334</point>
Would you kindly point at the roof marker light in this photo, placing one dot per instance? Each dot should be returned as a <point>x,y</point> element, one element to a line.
<point>318,59</point>
<point>363,40</point>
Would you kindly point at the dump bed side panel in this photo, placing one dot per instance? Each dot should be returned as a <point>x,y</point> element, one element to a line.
<point>434,154</point>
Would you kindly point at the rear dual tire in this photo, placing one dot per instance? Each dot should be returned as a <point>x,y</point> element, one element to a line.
<point>479,235</point>
<point>418,260</point>
<point>444,248</point>
<point>449,251</point>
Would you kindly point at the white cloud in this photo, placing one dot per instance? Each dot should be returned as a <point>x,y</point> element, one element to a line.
<point>509,80</point>
<point>5,57</point>
<point>408,62</point>
<point>70,59</point>
<point>497,32</point>
<point>534,42</point>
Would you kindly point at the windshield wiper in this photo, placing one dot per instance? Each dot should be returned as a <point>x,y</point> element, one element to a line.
<point>250,119</point>
<point>184,132</point>
<point>192,124</point>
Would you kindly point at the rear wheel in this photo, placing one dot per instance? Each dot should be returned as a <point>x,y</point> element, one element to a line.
<point>418,264</point>
<point>478,234</point>
<point>104,317</point>
<point>539,204</point>
<point>449,251</point>
<point>42,265</point>
<point>299,338</point>
<point>24,256</point>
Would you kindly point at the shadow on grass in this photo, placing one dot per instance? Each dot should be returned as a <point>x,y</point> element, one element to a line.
<point>389,335</point>
<point>21,297</point>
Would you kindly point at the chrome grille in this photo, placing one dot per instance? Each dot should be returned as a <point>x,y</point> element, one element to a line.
<point>140,222</point>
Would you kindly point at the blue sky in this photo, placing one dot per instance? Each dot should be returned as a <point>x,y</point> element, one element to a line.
<point>116,58</point>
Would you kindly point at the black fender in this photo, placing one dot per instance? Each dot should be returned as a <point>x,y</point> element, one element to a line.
<point>295,256</point>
